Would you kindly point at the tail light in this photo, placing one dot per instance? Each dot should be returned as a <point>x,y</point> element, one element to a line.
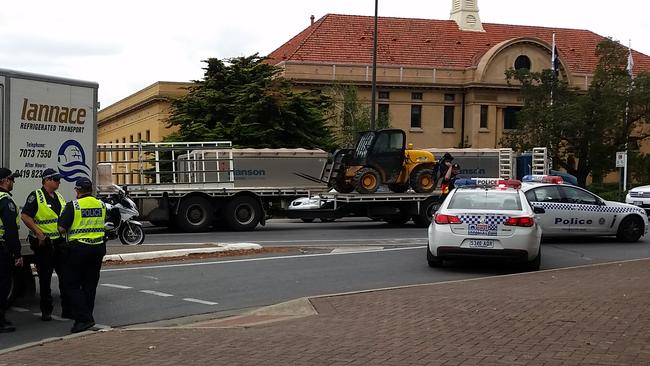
<point>443,219</point>
<point>520,221</point>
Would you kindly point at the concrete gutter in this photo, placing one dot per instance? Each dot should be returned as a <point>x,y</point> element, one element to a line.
<point>180,252</point>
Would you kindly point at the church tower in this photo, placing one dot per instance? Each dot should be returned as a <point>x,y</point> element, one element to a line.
<point>465,13</point>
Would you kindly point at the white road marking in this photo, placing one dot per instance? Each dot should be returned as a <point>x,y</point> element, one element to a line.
<point>300,256</point>
<point>19,309</point>
<point>357,249</point>
<point>151,292</point>
<point>115,286</point>
<point>200,301</point>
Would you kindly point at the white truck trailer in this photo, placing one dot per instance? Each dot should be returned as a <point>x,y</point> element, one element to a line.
<point>46,122</point>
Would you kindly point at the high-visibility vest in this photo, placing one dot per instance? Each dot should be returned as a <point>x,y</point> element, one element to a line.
<point>2,225</point>
<point>46,218</point>
<point>89,218</point>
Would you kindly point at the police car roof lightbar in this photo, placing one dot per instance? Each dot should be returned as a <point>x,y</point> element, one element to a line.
<point>553,179</point>
<point>487,183</point>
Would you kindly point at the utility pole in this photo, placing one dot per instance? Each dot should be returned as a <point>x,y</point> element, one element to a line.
<point>373,98</point>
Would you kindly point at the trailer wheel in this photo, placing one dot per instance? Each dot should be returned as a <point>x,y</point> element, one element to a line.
<point>427,209</point>
<point>422,181</point>
<point>307,220</point>
<point>398,220</point>
<point>243,213</point>
<point>195,214</point>
<point>366,180</point>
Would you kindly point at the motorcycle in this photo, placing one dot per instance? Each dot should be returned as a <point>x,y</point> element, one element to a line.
<point>120,211</point>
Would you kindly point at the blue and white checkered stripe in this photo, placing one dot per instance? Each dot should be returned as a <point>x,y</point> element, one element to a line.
<point>586,208</point>
<point>483,219</point>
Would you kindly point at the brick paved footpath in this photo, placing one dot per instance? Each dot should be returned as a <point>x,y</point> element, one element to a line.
<point>598,315</point>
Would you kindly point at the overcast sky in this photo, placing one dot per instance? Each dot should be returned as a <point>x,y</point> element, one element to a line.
<point>128,45</point>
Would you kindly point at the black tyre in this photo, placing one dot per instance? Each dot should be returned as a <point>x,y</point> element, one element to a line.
<point>398,187</point>
<point>243,213</point>
<point>422,181</point>
<point>322,219</point>
<point>366,180</point>
<point>427,209</point>
<point>341,186</point>
<point>195,214</point>
<point>532,266</point>
<point>630,229</point>
<point>434,261</point>
<point>307,220</point>
<point>131,234</point>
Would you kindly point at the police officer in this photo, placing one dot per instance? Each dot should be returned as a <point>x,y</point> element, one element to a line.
<point>40,214</point>
<point>449,179</point>
<point>82,222</point>
<point>9,243</point>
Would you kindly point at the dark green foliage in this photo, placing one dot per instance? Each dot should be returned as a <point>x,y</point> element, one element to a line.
<point>583,130</point>
<point>245,101</point>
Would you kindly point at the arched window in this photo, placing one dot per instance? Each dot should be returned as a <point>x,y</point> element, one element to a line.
<point>522,62</point>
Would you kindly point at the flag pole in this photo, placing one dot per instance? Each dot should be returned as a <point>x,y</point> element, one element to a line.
<point>553,55</point>
<point>630,65</point>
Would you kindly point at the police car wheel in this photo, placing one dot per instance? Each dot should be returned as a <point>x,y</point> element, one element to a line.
<point>630,229</point>
<point>534,265</point>
<point>434,262</point>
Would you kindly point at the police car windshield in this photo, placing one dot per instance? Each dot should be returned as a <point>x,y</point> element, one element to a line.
<point>485,200</point>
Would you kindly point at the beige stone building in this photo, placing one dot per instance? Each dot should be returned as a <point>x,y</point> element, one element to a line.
<point>140,116</point>
<point>442,81</point>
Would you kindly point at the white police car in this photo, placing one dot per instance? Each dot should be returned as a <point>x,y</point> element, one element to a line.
<point>573,211</point>
<point>488,218</point>
<point>640,197</point>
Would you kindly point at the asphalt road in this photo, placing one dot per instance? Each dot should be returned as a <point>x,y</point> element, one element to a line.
<point>154,293</point>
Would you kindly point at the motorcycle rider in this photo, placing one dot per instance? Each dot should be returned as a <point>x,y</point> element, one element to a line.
<point>40,214</point>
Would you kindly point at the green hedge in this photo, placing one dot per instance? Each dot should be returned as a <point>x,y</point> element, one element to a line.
<point>607,191</point>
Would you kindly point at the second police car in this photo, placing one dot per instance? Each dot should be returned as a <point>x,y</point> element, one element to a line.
<point>573,211</point>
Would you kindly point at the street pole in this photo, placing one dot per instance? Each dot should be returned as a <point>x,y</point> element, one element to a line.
<point>373,98</point>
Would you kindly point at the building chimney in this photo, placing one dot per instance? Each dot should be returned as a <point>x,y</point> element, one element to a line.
<point>312,18</point>
<point>465,14</point>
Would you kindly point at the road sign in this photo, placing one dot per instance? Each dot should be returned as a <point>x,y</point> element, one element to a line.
<point>620,159</point>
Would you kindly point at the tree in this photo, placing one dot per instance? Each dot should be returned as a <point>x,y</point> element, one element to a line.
<point>582,129</point>
<point>349,117</point>
<point>244,100</point>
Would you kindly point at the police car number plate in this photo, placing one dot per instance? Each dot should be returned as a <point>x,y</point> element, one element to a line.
<point>481,243</point>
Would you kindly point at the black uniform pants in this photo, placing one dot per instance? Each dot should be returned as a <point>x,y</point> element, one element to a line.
<point>6,267</point>
<point>49,258</point>
<point>82,265</point>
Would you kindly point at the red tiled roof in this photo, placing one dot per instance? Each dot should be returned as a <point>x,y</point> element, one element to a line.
<point>347,39</point>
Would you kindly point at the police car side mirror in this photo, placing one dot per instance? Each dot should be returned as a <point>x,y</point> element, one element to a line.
<point>538,210</point>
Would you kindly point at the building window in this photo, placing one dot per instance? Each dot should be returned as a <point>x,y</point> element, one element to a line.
<point>147,135</point>
<point>382,115</point>
<point>416,96</point>
<point>139,136</point>
<point>450,97</point>
<point>510,118</point>
<point>522,62</point>
<point>416,116</point>
<point>449,116</point>
<point>383,95</point>
<point>484,116</point>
